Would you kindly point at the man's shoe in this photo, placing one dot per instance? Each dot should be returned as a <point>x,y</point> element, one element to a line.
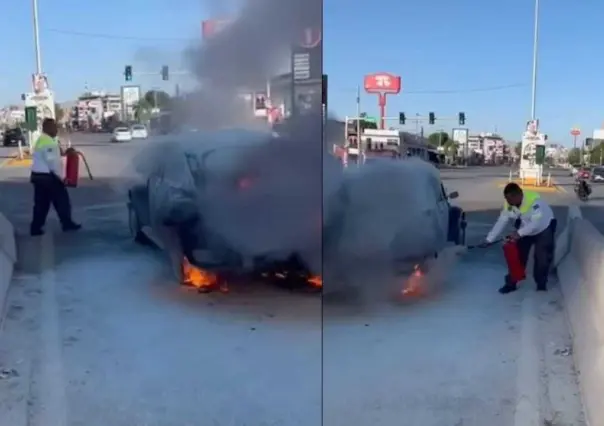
<point>36,232</point>
<point>541,288</point>
<point>508,288</point>
<point>72,227</point>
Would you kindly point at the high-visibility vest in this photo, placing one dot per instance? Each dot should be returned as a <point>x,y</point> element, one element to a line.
<point>528,199</point>
<point>42,162</point>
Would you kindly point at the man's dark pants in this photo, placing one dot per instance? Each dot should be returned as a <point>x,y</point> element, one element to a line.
<point>49,189</point>
<point>543,256</point>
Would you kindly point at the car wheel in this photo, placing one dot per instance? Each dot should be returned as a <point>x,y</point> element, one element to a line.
<point>135,228</point>
<point>456,232</point>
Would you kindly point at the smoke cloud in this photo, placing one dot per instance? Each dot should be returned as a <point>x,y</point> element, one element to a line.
<point>351,229</point>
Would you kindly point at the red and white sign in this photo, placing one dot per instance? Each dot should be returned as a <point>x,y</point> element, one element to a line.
<point>211,27</point>
<point>311,37</point>
<point>575,132</point>
<point>383,83</point>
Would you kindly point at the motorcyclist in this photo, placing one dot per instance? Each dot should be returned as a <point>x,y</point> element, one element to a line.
<point>582,187</point>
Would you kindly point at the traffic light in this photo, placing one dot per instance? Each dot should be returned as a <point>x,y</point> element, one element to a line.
<point>165,73</point>
<point>31,118</point>
<point>431,118</point>
<point>462,118</point>
<point>128,73</point>
<point>401,118</point>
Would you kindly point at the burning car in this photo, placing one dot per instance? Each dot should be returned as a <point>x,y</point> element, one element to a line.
<point>238,202</point>
<point>231,202</point>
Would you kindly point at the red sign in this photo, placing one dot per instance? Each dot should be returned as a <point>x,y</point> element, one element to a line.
<point>211,27</point>
<point>310,38</point>
<point>575,132</point>
<point>382,82</point>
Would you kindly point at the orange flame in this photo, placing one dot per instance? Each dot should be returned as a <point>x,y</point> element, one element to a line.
<point>316,281</point>
<point>198,278</point>
<point>413,285</point>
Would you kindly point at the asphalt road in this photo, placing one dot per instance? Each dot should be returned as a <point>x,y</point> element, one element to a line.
<point>103,336</point>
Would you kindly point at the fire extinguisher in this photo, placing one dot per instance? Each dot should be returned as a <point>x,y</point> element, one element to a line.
<point>516,270</point>
<point>72,167</point>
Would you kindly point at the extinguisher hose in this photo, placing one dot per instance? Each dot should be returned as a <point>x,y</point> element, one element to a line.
<point>485,245</point>
<point>86,164</point>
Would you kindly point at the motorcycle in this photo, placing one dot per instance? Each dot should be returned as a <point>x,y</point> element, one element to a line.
<point>582,189</point>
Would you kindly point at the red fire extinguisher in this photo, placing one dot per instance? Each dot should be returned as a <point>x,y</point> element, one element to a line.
<point>516,270</point>
<point>72,167</point>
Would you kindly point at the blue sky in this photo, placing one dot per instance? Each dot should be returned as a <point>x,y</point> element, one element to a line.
<point>437,45</point>
<point>159,30</point>
<point>471,44</point>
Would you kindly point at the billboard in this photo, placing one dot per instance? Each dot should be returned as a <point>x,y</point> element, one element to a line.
<point>131,96</point>
<point>382,82</point>
<point>460,136</point>
<point>307,70</point>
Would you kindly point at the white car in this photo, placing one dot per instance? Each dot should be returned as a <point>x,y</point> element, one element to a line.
<point>122,134</point>
<point>139,131</point>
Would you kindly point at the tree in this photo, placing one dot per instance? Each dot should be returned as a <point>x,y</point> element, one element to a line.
<point>596,155</point>
<point>142,110</point>
<point>438,139</point>
<point>157,99</point>
<point>574,156</point>
<point>451,148</point>
<point>59,113</point>
<point>518,149</point>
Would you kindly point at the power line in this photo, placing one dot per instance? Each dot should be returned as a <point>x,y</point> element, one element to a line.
<point>111,36</point>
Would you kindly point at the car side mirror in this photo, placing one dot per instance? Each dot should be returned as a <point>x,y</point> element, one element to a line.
<point>453,195</point>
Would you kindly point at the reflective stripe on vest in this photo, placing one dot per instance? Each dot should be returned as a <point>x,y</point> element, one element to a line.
<point>43,162</point>
<point>43,142</point>
<point>528,199</point>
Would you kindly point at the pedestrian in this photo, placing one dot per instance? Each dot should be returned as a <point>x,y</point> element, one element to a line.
<point>46,177</point>
<point>535,225</point>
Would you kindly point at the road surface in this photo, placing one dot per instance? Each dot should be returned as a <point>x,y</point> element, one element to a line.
<point>103,336</point>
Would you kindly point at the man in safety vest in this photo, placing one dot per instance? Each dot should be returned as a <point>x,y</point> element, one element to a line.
<point>46,172</point>
<point>535,225</point>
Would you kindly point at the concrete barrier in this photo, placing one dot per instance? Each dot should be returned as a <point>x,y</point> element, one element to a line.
<point>8,258</point>
<point>580,268</point>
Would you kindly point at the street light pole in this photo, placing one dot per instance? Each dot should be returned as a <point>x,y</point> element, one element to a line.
<point>535,62</point>
<point>37,37</point>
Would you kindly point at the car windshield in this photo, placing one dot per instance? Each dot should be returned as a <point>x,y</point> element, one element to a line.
<point>138,127</point>
<point>599,170</point>
<point>121,130</point>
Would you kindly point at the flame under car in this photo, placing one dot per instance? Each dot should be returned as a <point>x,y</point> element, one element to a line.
<point>217,212</point>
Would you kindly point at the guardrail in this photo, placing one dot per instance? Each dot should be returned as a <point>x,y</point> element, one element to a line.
<point>579,263</point>
<point>8,258</point>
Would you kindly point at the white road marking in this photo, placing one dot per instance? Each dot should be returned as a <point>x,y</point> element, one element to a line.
<point>52,398</point>
<point>528,411</point>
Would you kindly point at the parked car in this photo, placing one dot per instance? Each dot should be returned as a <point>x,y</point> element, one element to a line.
<point>122,134</point>
<point>229,205</point>
<point>597,174</point>
<point>12,137</point>
<point>139,131</point>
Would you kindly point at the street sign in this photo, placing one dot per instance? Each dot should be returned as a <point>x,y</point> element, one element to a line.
<point>575,132</point>
<point>384,83</point>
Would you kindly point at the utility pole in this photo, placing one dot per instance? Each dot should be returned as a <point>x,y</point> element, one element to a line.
<point>37,37</point>
<point>535,61</point>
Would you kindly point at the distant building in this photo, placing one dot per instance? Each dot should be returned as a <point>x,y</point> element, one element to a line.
<point>92,108</point>
<point>492,147</point>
